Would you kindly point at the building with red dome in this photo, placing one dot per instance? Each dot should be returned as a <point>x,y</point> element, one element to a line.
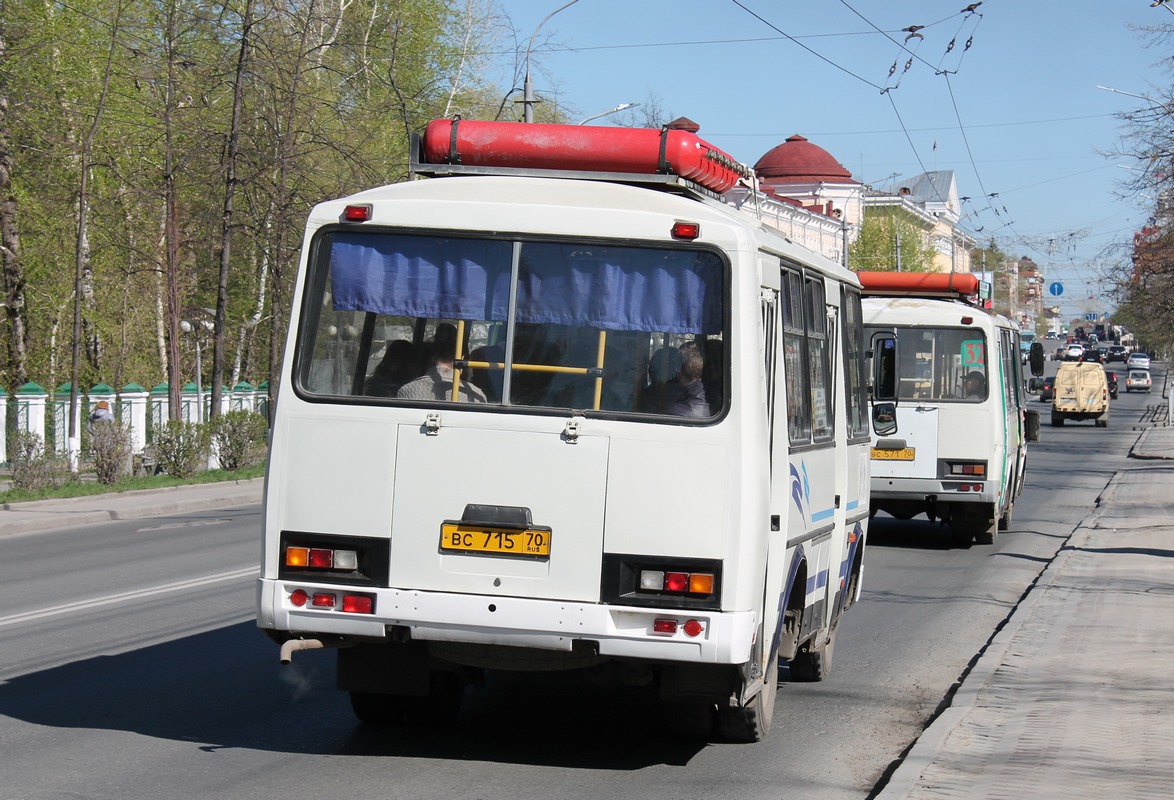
<point>800,173</point>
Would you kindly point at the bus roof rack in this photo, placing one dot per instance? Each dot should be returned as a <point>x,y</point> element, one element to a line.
<point>962,286</point>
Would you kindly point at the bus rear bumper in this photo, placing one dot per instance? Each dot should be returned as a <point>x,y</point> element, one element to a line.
<point>923,489</point>
<point>658,634</point>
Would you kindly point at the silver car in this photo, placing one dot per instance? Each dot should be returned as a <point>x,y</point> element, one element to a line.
<point>1138,361</point>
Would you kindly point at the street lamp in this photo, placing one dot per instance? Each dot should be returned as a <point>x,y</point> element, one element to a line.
<point>188,327</point>
<point>528,88</point>
<point>620,107</point>
<point>1153,103</point>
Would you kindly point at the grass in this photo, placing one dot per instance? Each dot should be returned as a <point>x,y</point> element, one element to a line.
<point>86,488</point>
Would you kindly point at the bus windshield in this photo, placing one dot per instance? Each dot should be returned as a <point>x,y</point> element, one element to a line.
<point>547,324</point>
<point>935,364</point>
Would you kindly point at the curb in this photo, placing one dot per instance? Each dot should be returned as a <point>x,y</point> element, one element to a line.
<point>45,515</point>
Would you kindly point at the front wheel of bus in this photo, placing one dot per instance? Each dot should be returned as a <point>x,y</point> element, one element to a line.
<point>752,722</point>
<point>813,664</point>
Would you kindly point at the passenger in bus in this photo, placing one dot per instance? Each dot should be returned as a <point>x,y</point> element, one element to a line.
<point>691,401</point>
<point>399,365</point>
<point>489,380</point>
<point>711,376</point>
<point>662,388</point>
<point>437,382</point>
<point>974,384</point>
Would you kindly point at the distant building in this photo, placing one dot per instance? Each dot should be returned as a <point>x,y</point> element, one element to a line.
<point>802,174</point>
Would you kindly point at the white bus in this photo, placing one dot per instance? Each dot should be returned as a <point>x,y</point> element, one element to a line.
<point>535,418</point>
<point>964,426</point>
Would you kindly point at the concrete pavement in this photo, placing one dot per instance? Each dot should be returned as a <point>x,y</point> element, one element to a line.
<point>1071,698</point>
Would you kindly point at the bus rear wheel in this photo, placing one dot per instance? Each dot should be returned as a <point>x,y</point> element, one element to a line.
<point>812,664</point>
<point>752,722</point>
<point>440,706</point>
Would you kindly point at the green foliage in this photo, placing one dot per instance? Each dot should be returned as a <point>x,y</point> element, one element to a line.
<point>110,447</point>
<point>180,448</point>
<point>238,439</point>
<point>885,235</point>
<point>83,488</point>
<point>33,469</point>
<point>330,94</point>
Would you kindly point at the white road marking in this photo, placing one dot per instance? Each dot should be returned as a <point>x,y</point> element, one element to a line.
<point>123,597</point>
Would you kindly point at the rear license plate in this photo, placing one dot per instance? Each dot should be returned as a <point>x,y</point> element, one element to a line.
<point>529,543</point>
<point>904,454</point>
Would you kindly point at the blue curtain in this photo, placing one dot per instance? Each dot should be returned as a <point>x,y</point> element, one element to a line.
<point>615,288</point>
<point>621,288</point>
<point>420,276</point>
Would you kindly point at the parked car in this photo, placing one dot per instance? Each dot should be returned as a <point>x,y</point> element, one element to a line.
<point>1138,361</point>
<point>1138,380</point>
<point>1117,352</point>
<point>1111,377</point>
<point>1074,352</point>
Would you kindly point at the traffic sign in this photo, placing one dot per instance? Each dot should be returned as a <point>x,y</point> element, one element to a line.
<point>1056,288</point>
<point>1091,317</point>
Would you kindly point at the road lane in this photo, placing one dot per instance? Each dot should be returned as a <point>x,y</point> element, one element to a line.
<point>176,693</point>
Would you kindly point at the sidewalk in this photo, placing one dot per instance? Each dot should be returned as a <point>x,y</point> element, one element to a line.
<point>41,515</point>
<point>1072,698</point>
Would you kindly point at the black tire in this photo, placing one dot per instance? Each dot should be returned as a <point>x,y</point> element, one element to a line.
<point>1057,420</point>
<point>811,665</point>
<point>752,722</point>
<point>986,531</point>
<point>1005,520</point>
<point>440,706</point>
<point>692,721</point>
<point>961,535</point>
<point>378,709</point>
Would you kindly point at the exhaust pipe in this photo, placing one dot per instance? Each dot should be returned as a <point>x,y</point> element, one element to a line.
<point>293,645</point>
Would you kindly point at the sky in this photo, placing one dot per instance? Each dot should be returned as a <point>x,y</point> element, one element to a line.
<point>1017,114</point>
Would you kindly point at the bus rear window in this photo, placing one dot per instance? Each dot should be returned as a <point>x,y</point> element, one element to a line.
<point>590,327</point>
<point>941,364</point>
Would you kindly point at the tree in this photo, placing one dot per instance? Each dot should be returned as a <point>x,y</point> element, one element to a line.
<point>1145,282</point>
<point>889,241</point>
<point>10,260</point>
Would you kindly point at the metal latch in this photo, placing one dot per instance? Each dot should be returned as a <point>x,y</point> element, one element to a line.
<point>432,423</point>
<point>571,432</point>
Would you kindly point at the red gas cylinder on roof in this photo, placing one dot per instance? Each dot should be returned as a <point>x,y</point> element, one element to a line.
<point>643,151</point>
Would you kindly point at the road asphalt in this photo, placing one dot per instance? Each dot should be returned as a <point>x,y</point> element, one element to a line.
<point>1070,698</point>
<point>43,515</point>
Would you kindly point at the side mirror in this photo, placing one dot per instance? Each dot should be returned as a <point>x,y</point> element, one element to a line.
<point>1036,359</point>
<point>884,418</point>
<point>1034,385</point>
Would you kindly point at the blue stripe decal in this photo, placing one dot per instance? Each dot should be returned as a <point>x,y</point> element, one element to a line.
<point>853,505</point>
<point>822,579</point>
<point>816,516</point>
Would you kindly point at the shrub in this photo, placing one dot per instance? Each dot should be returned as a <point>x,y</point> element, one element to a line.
<point>238,438</point>
<point>32,469</point>
<point>180,447</point>
<point>111,448</point>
